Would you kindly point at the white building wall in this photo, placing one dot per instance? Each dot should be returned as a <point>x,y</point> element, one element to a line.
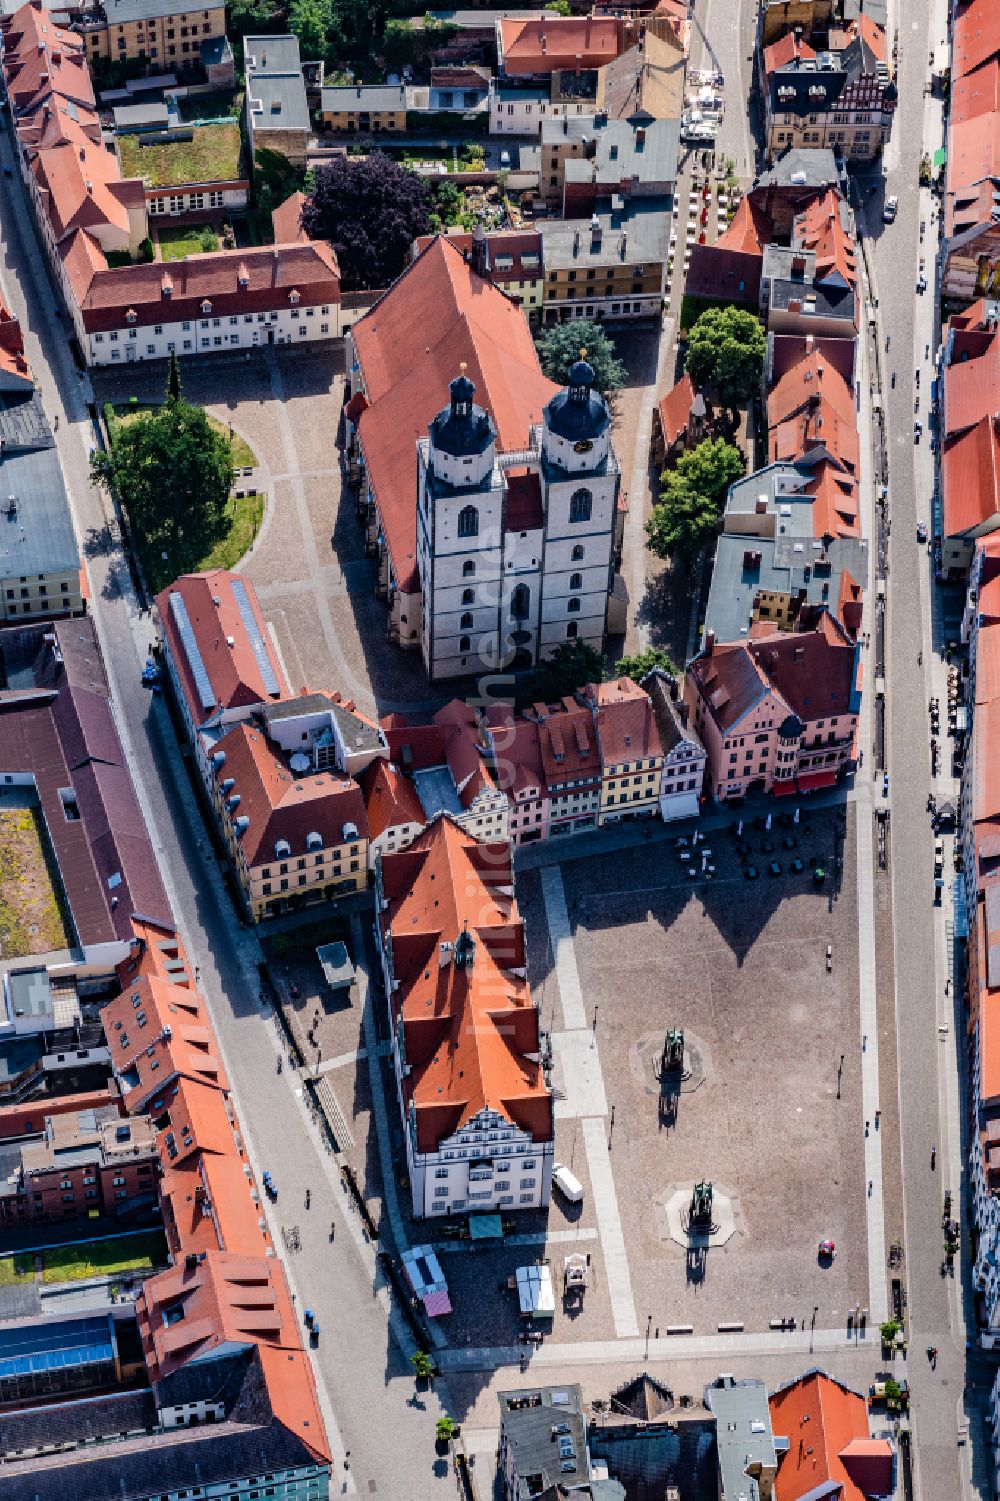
<point>519,114</point>
<point>488,1165</point>
<point>212,333</point>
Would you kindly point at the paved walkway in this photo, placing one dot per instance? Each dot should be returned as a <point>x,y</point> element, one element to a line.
<point>713,1347</point>
<point>585,1098</point>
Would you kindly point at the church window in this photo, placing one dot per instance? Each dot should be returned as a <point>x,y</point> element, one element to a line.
<point>520,603</point>
<point>468,569</point>
<point>573,606</point>
<point>576,580</point>
<point>466,621</point>
<point>468,522</point>
<point>468,596</point>
<point>578,553</point>
<point>571,631</point>
<point>580,505</point>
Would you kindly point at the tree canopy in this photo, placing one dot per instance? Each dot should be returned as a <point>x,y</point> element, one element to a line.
<point>172,472</point>
<point>311,21</point>
<point>726,349</point>
<point>685,520</point>
<point>572,664</point>
<point>644,662</point>
<point>559,347</point>
<point>370,209</point>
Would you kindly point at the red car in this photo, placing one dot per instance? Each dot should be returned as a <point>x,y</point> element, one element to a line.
<point>827,1249</point>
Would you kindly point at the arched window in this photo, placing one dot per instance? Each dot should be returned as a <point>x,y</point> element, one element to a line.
<point>468,522</point>
<point>571,631</point>
<point>465,643</point>
<point>465,623</point>
<point>578,553</point>
<point>520,603</point>
<point>468,596</point>
<point>580,505</point>
<point>576,580</point>
<point>468,569</point>
<point>573,606</point>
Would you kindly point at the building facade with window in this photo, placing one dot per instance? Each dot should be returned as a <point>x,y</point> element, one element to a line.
<point>841,95</point>
<point>508,547</point>
<point>515,558</point>
<point>166,38</point>
<point>476,1105</point>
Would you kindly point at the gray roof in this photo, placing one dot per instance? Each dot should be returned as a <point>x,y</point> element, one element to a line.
<point>120,11</point>
<point>214,50</point>
<point>644,221</point>
<point>436,791</point>
<point>36,534</point>
<point>747,566</point>
<point>381,97</point>
<point>511,89</point>
<point>802,166</point>
<point>875,10</point>
<point>647,152</point>
<point>30,992</point>
<point>532,1419</point>
<point>668,713</point>
<point>275,83</point>
<point>249,1442</point>
<point>823,301</point>
<point>743,1433</point>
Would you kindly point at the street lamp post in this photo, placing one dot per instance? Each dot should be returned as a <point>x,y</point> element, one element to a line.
<point>611,1131</point>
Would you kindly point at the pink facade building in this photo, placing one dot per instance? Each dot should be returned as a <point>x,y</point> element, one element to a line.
<point>778,712</point>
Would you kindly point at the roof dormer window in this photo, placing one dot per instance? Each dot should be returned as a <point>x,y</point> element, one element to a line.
<point>282,849</point>
<point>131,315</point>
<point>294,296</point>
<point>206,307</point>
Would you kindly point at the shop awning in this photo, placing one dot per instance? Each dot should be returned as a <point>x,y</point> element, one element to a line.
<point>811,780</point>
<point>485,1227</point>
<point>782,788</point>
<point>940,156</point>
<point>435,1304</point>
<point>534,1292</point>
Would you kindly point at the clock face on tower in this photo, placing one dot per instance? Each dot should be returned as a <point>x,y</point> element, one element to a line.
<point>583,446</point>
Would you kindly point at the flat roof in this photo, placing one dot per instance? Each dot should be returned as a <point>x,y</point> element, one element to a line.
<point>646,222</point>
<point>36,530</point>
<point>789,565</point>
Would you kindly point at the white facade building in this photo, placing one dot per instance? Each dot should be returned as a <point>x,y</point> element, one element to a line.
<point>515,551</point>
<point>520,111</point>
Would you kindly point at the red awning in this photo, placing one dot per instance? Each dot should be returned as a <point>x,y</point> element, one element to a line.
<point>784,787</point>
<point>813,779</point>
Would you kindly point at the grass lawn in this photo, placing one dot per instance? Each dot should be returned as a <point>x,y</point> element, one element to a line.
<point>243,518</point>
<point>102,1258</point>
<point>179,240</point>
<point>14,1269</point>
<point>212,155</point>
<point>243,455</point>
<point>31,919</point>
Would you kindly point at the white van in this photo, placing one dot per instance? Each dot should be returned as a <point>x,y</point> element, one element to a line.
<point>569,1186</point>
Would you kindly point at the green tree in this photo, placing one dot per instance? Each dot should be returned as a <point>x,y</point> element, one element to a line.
<point>647,661</point>
<point>559,347</point>
<point>572,664</point>
<point>445,1429</point>
<point>173,378</point>
<point>251,17</point>
<point>888,1331</point>
<point>726,349</point>
<point>311,21</point>
<point>685,520</point>
<point>559,7</point>
<point>423,1366</point>
<point>172,473</point>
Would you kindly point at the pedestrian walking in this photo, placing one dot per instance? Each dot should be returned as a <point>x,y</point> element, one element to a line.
<point>866,1127</point>
<point>308,1197</point>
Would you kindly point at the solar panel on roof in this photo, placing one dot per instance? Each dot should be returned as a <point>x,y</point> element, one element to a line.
<point>185,630</point>
<point>252,628</point>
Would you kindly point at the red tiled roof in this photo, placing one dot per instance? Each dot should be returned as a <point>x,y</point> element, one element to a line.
<point>286,221</point>
<point>464,751</point>
<point>975,36</point>
<point>234,671</point>
<point>198,1120</point>
<point>626,724</point>
<point>545,44</point>
<point>513,242</point>
<point>729,682</point>
<point>272,274</point>
<point>721,272</point>
<point>517,753</point>
<point>280,805</point>
<point>176,1037</point>
<point>407,361</point>
<point>815,672</point>
<point>675,410</point>
<point>819,227</point>
<point>13,363</point>
<point>567,741</point>
<point>970,477</point>
<point>812,407</point>
<point>972,389</point>
<point>749,231</point>
<point>391,799</point>
<point>820,1418</point>
<point>788,49</point>
<point>469,1029</point>
<point>835,509</point>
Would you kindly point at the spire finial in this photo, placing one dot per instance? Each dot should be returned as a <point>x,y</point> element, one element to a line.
<point>583,354</point>
<point>462,367</point>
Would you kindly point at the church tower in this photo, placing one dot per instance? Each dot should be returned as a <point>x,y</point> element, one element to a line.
<point>580,486</point>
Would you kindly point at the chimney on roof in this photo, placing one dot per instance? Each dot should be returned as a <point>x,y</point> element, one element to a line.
<point>709,642</point>
<point>544,43</point>
<point>810,342</point>
<point>444,955</point>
